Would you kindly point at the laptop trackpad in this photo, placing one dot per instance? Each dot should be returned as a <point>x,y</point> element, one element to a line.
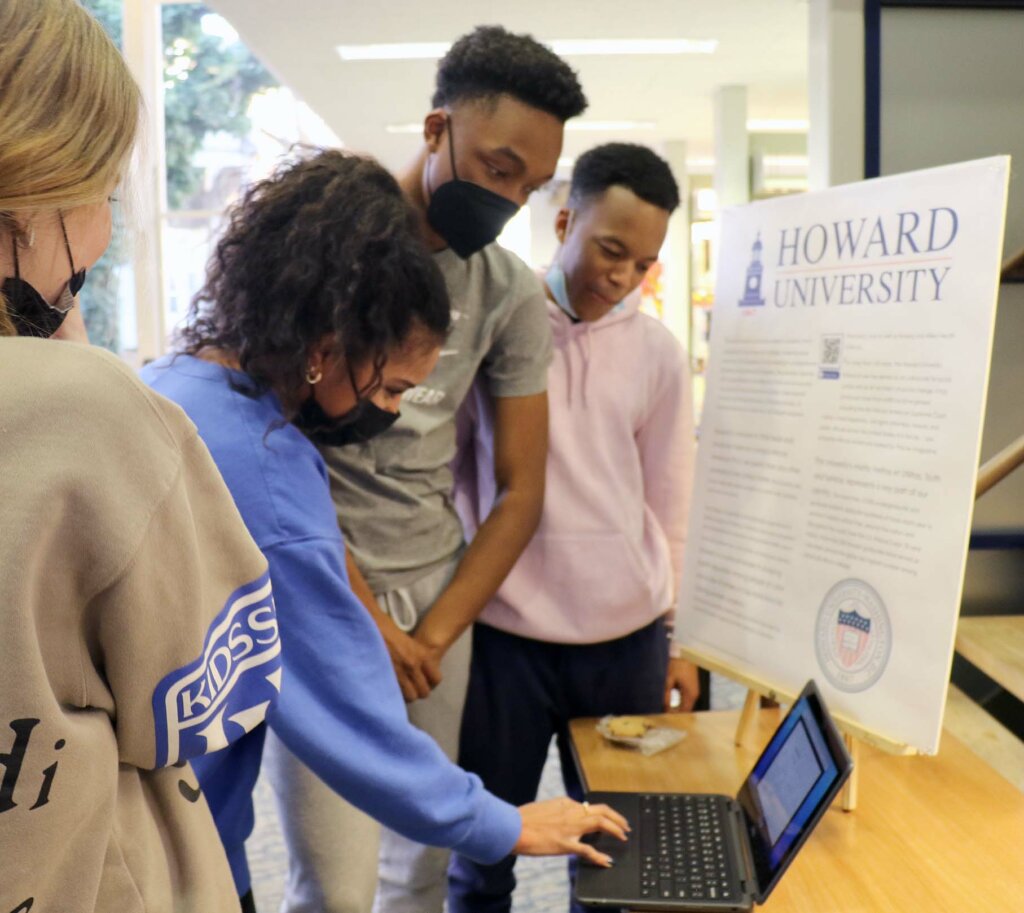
<point>596,884</point>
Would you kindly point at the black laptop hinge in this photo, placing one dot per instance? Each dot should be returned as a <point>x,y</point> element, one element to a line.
<point>747,884</point>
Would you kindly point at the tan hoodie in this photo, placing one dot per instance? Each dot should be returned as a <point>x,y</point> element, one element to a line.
<point>138,631</point>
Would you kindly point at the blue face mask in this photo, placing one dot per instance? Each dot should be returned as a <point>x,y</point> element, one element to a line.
<point>555,279</point>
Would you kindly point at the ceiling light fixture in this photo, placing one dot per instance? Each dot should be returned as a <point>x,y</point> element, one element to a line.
<point>700,164</point>
<point>576,126</point>
<point>585,47</point>
<point>416,50</point>
<point>609,126</point>
<point>570,47</point>
<point>404,128</point>
<point>777,125</point>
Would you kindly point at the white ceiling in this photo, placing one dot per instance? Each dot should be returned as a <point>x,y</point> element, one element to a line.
<point>762,45</point>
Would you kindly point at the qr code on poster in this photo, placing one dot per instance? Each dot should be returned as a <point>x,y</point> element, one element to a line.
<point>831,349</point>
<point>831,355</point>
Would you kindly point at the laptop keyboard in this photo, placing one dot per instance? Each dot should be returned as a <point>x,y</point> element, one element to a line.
<point>683,854</point>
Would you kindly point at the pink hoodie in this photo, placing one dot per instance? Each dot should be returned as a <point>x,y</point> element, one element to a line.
<point>607,557</point>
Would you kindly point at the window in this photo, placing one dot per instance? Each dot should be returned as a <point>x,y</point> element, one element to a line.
<point>106,299</point>
<point>227,123</point>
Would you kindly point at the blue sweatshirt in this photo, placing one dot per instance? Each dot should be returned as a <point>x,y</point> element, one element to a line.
<point>340,709</point>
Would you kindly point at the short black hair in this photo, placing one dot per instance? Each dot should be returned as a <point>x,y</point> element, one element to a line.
<point>628,165</point>
<point>491,61</point>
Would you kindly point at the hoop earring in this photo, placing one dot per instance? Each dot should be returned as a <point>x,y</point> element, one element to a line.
<point>314,375</point>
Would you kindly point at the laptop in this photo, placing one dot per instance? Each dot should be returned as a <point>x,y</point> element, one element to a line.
<point>698,851</point>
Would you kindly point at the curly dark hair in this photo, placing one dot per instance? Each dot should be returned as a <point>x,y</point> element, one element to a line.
<point>627,165</point>
<point>326,245</point>
<point>491,61</point>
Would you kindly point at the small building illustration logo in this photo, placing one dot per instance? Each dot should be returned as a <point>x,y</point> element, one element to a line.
<point>752,291</point>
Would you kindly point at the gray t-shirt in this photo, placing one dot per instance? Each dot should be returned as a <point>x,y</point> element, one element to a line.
<point>393,494</point>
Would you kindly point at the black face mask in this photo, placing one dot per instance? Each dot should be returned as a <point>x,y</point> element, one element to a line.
<point>466,215</point>
<point>30,312</point>
<point>362,422</point>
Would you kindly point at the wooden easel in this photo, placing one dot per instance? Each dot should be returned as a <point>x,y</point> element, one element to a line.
<point>1000,466</point>
<point>854,733</point>
<point>848,797</point>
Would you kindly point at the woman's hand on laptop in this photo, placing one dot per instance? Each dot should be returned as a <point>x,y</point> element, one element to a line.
<point>554,828</point>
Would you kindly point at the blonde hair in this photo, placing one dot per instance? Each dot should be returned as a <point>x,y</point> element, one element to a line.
<point>69,112</point>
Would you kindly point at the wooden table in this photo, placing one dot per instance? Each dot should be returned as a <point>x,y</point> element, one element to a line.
<point>931,834</point>
<point>995,644</point>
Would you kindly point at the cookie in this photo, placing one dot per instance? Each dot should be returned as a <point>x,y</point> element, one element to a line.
<point>629,727</point>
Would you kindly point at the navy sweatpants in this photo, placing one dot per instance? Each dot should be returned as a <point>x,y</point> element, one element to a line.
<point>521,693</point>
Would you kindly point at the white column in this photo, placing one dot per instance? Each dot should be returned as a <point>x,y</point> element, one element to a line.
<point>732,146</point>
<point>143,51</point>
<point>835,88</point>
<point>676,252</point>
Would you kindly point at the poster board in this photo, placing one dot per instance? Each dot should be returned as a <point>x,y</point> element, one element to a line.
<point>848,369</point>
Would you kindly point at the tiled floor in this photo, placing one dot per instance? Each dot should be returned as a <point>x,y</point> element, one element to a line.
<point>542,883</point>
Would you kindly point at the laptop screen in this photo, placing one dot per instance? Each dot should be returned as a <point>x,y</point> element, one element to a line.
<point>791,783</point>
